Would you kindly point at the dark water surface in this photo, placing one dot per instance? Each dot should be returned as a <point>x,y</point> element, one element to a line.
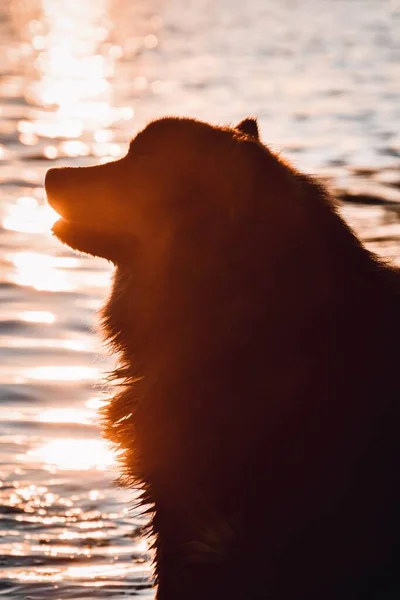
<point>77,79</point>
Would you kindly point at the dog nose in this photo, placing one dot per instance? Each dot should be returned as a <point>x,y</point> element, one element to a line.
<point>52,181</point>
<point>57,184</point>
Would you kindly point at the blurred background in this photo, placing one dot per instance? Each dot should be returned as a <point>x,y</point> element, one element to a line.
<point>78,78</point>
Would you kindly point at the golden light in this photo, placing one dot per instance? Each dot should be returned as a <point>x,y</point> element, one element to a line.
<point>39,575</point>
<point>94,495</point>
<point>68,67</point>
<point>76,345</point>
<point>99,571</point>
<point>73,455</point>
<point>28,216</point>
<point>37,316</point>
<point>67,415</point>
<point>50,152</point>
<point>63,373</point>
<point>96,403</point>
<point>26,494</point>
<point>41,271</point>
<point>74,63</point>
<point>74,148</point>
<point>93,575</point>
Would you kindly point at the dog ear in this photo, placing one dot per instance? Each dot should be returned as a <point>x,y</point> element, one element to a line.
<point>259,175</point>
<point>249,126</point>
<point>251,160</point>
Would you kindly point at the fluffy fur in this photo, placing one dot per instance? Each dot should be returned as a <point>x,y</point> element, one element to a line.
<point>258,345</point>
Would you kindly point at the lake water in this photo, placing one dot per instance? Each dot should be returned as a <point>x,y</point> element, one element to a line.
<point>77,79</point>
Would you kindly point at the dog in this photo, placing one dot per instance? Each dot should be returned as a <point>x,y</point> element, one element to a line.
<point>258,345</point>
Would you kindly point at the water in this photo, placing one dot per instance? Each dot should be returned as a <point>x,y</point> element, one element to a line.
<point>77,80</point>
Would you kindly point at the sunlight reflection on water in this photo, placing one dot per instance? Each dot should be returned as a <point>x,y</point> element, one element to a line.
<point>67,415</point>
<point>63,373</point>
<point>28,216</point>
<point>78,79</point>
<point>39,271</point>
<point>73,455</point>
<point>74,77</point>
<point>37,316</point>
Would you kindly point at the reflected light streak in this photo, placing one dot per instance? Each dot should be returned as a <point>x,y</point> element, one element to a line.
<point>50,152</point>
<point>96,403</point>
<point>67,415</point>
<point>94,495</point>
<point>73,455</point>
<point>37,316</point>
<point>42,272</point>
<point>40,575</point>
<point>77,345</point>
<point>93,574</point>
<point>64,373</point>
<point>98,571</point>
<point>74,148</point>
<point>28,216</point>
<point>75,64</point>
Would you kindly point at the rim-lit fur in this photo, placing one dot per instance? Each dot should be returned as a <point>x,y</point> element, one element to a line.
<point>258,348</point>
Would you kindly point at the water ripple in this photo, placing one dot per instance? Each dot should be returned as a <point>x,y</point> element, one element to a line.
<point>77,80</point>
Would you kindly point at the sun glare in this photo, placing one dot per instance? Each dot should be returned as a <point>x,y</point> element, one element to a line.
<point>75,72</point>
<point>67,415</point>
<point>63,373</point>
<point>27,215</point>
<point>37,316</point>
<point>96,576</point>
<point>73,455</point>
<point>42,271</point>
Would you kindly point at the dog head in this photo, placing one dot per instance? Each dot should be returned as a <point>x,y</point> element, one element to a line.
<point>180,178</point>
<point>211,225</point>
